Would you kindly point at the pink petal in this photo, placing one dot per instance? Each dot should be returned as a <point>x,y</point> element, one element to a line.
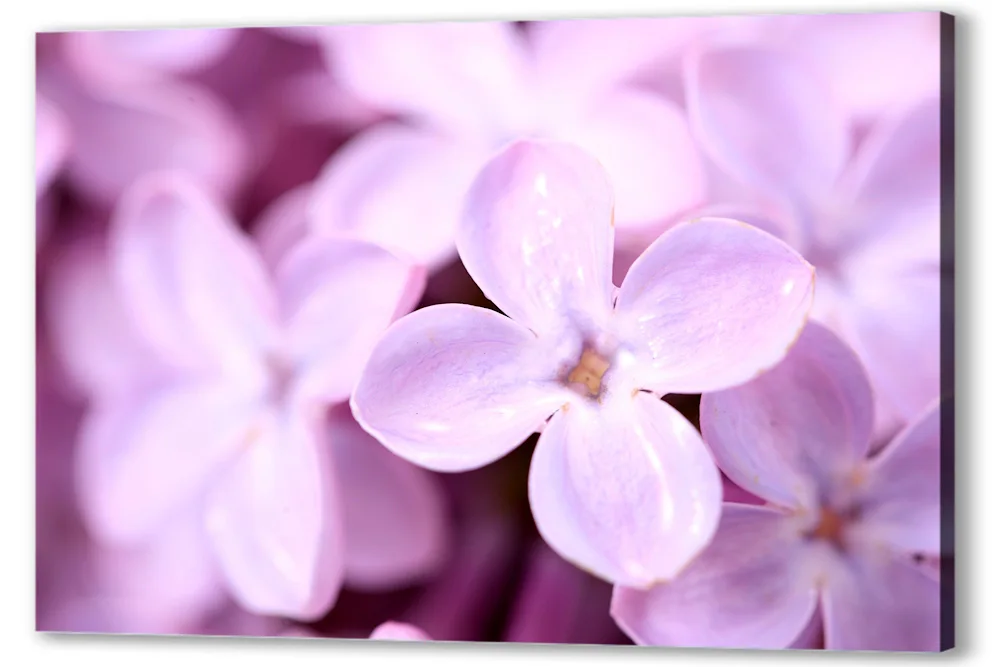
<point>464,76</point>
<point>145,454</point>
<point>711,304</point>
<point>894,182</point>
<point>626,491</point>
<point>395,522</point>
<point>283,224</point>
<point>453,387</point>
<point>894,322</point>
<point>882,604</point>
<point>768,120</point>
<point>391,630</point>
<point>538,235</point>
<point>399,187</point>
<point>196,286</point>
<point>645,144</point>
<point>119,57</point>
<point>122,133</point>
<point>98,346</point>
<point>902,505</point>
<point>742,592</point>
<point>338,296</point>
<point>797,429</point>
<point>274,521</point>
<point>52,142</point>
<point>873,63</point>
<point>567,60</point>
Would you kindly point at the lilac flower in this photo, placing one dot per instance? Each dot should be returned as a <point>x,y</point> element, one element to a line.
<point>470,88</point>
<point>620,483</point>
<point>869,220</point>
<point>123,132</point>
<point>237,424</point>
<point>165,585</point>
<point>839,528</point>
<point>395,631</point>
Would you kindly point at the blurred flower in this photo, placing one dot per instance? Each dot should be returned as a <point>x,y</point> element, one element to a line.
<point>393,630</point>
<point>467,89</point>
<point>120,133</point>
<point>165,585</point>
<point>620,482</point>
<point>868,220</point>
<point>235,422</point>
<point>839,529</point>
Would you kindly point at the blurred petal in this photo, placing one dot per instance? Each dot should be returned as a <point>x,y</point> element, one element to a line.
<point>538,235</point>
<point>895,178</point>
<point>122,133</point>
<point>395,523</point>
<point>645,144</point>
<point>391,630</point>
<point>195,284</point>
<point>626,491</point>
<point>282,225</point>
<point>902,506</point>
<point>121,57</point>
<point>399,187</point>
<point>874,63</point>
<point>454,387</point>
<point>894,320</point>
<point>742,592</point>
<point>882,604</point>
<point>274,521</point>
<point>144,455</point>
<point>797,429</point>
<point>460,75</point>
<point>339,295</point>
<point>98,346</point>
<point>711,304</point>
<point>52,142</point>
<point>566,59</point>
<point>767,119</point>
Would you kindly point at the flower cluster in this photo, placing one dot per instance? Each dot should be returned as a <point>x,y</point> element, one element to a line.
<point>589,331</point>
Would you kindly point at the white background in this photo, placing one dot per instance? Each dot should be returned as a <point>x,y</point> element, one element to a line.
<point>978,340</point>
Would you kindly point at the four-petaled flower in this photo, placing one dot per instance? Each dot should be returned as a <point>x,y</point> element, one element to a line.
<point>235,418</point>
<point>620,483</point>
<point>839,532</point>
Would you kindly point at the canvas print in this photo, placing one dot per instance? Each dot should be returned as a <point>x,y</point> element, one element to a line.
<point>624,331</point>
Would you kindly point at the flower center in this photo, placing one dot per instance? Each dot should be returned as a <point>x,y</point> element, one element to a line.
<point>831,527</point>
<point>281,377</point>
<point>589,372</point>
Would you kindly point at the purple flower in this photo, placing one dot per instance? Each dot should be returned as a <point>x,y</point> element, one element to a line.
<point>469,89</point>
<point>620,483</point>
<point>234,419</point>
<point>120,133</point>
<point>838,532</point>
<point>868,219</point>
